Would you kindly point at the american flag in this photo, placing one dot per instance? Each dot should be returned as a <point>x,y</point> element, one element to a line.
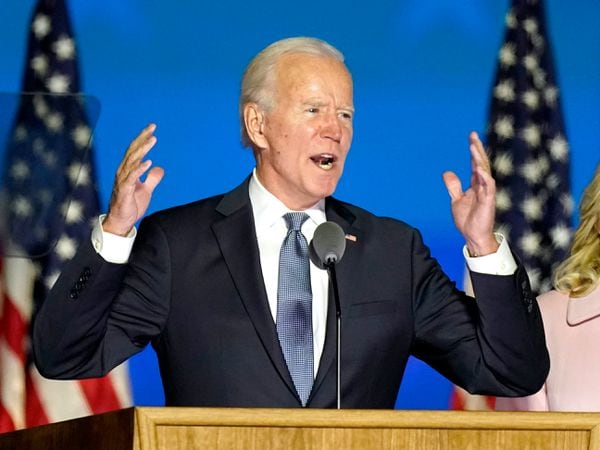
<point>529,155</point>
<point>48,202</point>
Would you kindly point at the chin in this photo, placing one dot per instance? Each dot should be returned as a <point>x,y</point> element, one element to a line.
<point>327,191</point>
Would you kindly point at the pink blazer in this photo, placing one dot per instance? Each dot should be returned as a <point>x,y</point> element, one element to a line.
<point>572,327</point>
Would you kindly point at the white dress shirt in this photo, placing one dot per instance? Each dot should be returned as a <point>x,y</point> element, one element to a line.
<point>271,230</point>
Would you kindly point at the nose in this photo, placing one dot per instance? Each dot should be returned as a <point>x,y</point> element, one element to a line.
<point>332,128</point>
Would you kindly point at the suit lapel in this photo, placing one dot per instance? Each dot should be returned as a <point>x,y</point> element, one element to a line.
<point>338,213</point>
<point>236,236</point>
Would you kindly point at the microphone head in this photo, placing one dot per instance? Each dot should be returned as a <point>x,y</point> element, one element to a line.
<point>328,244</point>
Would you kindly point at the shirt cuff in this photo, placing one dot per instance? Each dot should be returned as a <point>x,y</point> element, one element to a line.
<point>112,247</point>
<point>500,263</point>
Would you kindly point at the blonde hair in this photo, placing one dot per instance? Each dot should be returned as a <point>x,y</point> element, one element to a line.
<point>257,81</point>
<point>579,274</point>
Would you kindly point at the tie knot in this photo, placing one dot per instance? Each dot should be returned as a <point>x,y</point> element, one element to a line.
<point>294,220</point>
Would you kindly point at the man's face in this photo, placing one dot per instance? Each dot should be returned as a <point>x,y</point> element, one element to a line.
<point>307,133</point>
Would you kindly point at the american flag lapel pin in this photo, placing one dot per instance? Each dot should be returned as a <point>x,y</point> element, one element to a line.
<point>350,237</point>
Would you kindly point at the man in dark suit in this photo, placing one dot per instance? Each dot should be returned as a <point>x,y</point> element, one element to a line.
<point>203,282</point>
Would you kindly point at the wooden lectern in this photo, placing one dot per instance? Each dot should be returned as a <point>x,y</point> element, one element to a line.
<point>264,429</point>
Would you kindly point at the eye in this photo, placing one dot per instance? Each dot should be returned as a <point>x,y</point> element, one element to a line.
<point>346,115</point>
<point>313,110</point>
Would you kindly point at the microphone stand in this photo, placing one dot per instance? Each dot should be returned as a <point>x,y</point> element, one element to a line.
<point>330,266</point>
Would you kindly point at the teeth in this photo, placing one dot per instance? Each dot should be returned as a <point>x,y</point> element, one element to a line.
<point>325,162</point>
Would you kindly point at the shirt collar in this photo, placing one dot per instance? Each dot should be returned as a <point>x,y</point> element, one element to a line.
<point>268,210</point>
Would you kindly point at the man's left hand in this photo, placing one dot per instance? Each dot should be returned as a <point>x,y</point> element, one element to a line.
<point>474,210</point>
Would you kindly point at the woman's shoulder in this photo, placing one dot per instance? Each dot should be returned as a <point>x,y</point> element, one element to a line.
<point>553,302</point>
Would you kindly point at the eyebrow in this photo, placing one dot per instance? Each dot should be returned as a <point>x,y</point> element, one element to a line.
<point>319,102</point>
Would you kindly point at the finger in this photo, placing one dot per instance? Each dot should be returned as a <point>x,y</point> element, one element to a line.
<point>479,164</point>
<point>453,185</point>
<point>143,135</point>
<point>139,141</point>
<point>477,146</point>
<point>153,178</point>
<point>134,155</point>
<point>133,177</point>
<point>486,182</point>
<point>484,188</point>
<point>133,161</point>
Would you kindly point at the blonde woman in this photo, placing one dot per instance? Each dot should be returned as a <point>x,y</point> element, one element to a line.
<point>571,315</point>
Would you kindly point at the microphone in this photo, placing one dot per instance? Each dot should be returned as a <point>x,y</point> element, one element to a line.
<point>326,250</point>
<point>328,245</point>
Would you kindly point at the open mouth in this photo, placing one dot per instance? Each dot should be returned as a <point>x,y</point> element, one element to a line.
<point>324,160</point>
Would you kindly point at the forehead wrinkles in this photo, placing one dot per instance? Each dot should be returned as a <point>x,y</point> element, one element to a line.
<point>303,73</point>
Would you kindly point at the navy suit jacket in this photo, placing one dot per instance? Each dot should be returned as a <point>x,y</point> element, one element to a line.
<point>193,288</point>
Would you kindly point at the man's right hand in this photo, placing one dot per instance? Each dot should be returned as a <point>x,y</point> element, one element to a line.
<point>130,196</point>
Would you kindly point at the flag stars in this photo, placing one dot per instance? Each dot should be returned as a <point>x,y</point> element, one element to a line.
<point>530,244</point>
<point>551,95</point>
<point>505,91</point>
<point>561,236</point>
<point>73,211</point>
<point>54,122</point>
<point>531,99</point>
<point>503,164</point>
<point>22,207</point>
<point>40,107</point>
<point>64,48</point>
<point>19,171</point>
<point>66,247</point>
<point>559,149</point>
<point>39,64</point>
<point>503,201</point>
<point>530,26</point>
<point>503,127</point>
<point>81,135</point>
<point>508,55</point>
<point>79,174</point>
<point>41,26</point>
<point>20,133</point>
<point>566,200</point>
<point>531,135</point>
<point>525,123</point>
<point>530,62</point>
<point>58,84</point>
<point>532,208</point>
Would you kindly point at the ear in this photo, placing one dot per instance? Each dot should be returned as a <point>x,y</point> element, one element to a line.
<point>254,119</point>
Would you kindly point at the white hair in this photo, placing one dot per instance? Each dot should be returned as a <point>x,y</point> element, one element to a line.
<point>257,81</point>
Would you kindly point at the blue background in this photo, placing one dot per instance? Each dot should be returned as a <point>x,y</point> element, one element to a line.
<point>422,69</point>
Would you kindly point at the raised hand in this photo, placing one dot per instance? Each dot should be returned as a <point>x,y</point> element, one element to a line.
<point>130,196</point>
<point>474,209</point>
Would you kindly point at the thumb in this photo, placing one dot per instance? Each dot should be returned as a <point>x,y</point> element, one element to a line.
<point>453,185</point>
<point>153,178</point>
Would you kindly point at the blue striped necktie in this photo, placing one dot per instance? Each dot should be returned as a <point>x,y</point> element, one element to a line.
<point>294,306</point>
